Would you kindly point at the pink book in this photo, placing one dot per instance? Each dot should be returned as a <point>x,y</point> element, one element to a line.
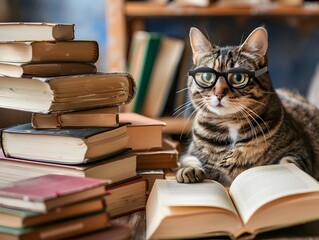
<point>50,191</point>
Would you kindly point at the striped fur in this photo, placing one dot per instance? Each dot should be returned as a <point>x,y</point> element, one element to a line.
<point>249,127</point>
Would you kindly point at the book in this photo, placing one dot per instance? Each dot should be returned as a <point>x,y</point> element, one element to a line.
<point>68,146</point>
<point>59,230</point>
<point>100,117</point>
<point>144,133</point>
<point>50,51</point>
<point>151,175</point>
<point>162,77</point>
<point>117,231</point>
<point>126,197</point>
<point>11,69</point>
<point>33,31</point>
<point>259,199</point>
<point>116,169</point>
<point>44,193</point>
<point>154,159</point>
<point>152,45</point>
<point>17,218</point>
<point>66,93</point>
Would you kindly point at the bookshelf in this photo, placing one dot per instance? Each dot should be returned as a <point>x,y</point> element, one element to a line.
<point>125,17</point>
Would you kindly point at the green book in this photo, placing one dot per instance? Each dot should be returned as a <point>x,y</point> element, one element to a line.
<point>152,47</point>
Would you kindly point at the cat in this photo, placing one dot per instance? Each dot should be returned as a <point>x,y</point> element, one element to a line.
<point>240,120</point>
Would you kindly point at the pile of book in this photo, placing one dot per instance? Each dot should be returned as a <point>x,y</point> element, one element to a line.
<point>76,127</point>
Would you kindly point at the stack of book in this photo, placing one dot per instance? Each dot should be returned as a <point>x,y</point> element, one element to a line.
<point>76,128</point>
<point>52,207</point>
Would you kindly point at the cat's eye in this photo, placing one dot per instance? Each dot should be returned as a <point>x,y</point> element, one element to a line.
<point>205,78</point>
<point>237,80</point>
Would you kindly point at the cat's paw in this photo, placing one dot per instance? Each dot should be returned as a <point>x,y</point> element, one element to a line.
<point>190,175</point>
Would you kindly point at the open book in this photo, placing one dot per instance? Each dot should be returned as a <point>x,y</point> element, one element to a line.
<point>259,199</point>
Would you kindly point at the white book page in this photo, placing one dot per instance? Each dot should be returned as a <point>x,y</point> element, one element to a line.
<point>205,194</point>
<point>260,185</point>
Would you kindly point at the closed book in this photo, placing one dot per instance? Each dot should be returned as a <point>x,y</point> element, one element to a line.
<point>50,51</point>
<point>116,168</point>
<point>144,133</point>
<point>66,93</point>
<point>163,75</point>
<point>33,31</point>
<point>127,197</point>
<point>60,230</point>
<point>68,146</point>
<point>45,69</point>
<point>44,193</point>
<point>100,117</point>
<point>18,218</point>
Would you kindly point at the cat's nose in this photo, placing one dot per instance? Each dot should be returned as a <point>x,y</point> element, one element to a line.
<point>221,89</point>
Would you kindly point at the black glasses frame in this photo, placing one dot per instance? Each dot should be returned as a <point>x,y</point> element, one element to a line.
<point>251,74</point>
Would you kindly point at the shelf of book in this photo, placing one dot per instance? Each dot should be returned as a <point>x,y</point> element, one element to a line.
<point>148,9</point>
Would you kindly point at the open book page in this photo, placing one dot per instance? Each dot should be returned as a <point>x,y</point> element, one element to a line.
<point>205,194</point>
<point>260,185</point>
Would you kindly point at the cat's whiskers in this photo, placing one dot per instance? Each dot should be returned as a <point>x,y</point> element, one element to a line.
<point>198,107</point>
<point>182,90</point>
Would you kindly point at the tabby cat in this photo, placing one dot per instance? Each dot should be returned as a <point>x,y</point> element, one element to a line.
<point>241,121</point>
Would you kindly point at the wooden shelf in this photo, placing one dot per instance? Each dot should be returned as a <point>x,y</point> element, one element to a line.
<point>142,9</point>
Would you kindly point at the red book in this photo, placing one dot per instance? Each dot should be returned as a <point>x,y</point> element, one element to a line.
<point>50,191</point>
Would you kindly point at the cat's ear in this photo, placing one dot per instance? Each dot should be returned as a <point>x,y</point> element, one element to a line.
<point>199,44</point>
<point>256,43</point>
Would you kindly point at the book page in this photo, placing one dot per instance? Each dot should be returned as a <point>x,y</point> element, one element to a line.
<point>260,185</point>
<point>205,194</point>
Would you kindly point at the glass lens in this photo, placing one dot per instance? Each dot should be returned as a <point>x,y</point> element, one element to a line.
<point>238,80</point>
<point>205,78</point>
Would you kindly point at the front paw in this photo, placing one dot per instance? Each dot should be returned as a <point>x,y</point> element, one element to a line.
<point>190,175</point>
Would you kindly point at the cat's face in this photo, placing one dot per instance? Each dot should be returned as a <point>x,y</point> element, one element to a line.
<point>229,80</point>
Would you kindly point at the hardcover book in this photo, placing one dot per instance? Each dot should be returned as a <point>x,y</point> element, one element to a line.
<point>68,146</point>
<point>66,93</point>
<point>116,168</point>
<point>259,199</point>
<point>33,31</point>
<point>100,117</point>
<point>50,51</point>
<point>44,193</point>
<point>18,218</point>
<point>10,69</point>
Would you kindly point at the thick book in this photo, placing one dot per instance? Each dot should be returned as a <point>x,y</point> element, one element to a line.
<point>66,93</point>
<point>50,51</point>
<point>151,175</point>
<point>68,146</point>
<point>126,197</point>
<point>47,192</point>
<point>17,218</point>
<point>161,158</point>
<point>163,75</point>
<point>144,133</point>
<point>36,31</point>
<point>60,230</point>
<point>11,69</point>
<point>259,199</point>
<point>116,168</point>
<point>100,117</point>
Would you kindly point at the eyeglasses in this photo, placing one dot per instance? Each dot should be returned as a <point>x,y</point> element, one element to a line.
<point>236,78</point>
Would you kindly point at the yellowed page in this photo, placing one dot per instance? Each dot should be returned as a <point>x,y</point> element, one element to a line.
<point>260,185</point>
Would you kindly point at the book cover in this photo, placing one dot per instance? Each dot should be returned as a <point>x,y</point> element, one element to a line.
<point>152,46</point>
<point>11,69</point>
<point>69,145</point>
<point>66,93</point>
<point>100,117</point>
<point>50,51</point>
<point>115,168</point>
<point>33,31</point>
